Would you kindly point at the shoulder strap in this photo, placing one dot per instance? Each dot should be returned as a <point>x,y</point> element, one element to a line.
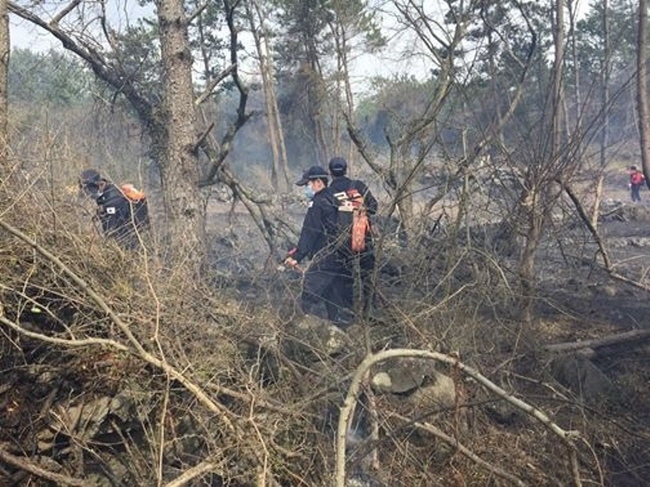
<point>132,193</point>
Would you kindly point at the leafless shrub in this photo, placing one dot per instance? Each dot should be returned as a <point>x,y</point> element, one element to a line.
<point>122,368</point>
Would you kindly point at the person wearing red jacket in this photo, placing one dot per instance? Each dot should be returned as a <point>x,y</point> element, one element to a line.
<point>636,181</point>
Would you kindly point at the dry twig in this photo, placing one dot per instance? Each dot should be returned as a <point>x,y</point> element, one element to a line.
<point>349,404</point>
<point>39,471</point>
<point>463,449</point>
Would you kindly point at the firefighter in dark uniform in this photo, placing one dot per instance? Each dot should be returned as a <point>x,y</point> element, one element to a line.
<point>338,168</point>
<point>327,280</point>
<point>114,210</point>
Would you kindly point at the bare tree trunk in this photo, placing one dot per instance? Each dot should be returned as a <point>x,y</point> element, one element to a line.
<point>180,165</point>
<point>343,86</point>
<point>642,88</point>
<point>284,159</point>
<point>571,4</point>
<point>264,72</point>
<point>316,115</point>
<point>276,167</point>
<point>558,93</point>
<point>279,169</point>
<point>339,42</point>
<point>274,114</point>
<point>535,203</point>
<point>273,101</point>
<point>496,98</point>
<point>174,149</point>
<point>604,131</point>
<point>4,99</point>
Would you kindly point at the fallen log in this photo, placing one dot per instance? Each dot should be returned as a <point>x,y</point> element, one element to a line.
<point>620,338</point>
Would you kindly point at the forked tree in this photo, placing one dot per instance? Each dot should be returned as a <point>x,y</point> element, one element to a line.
<point>179,141</point>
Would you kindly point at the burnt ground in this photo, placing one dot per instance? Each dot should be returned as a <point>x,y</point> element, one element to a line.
<point>578,300</point>
<point>572,279</point>
<point>581,301</point>
<point>575,281</point>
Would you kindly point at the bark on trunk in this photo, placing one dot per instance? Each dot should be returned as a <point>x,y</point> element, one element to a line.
<point>536,202</point>
<point>184,203</point>
<point>4,104</point>
<point>280,167</point>
<point>642,89</point>
<point>604,137</point>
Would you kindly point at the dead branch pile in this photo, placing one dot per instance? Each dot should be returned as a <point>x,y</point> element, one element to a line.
<point>119,370</point>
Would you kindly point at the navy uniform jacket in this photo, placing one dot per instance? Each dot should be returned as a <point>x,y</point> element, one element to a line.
<point>114,211</point>
<point>318,228</point>
<point>343,183</point>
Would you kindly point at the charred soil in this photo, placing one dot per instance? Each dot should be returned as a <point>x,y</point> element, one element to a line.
<point>223,381</point>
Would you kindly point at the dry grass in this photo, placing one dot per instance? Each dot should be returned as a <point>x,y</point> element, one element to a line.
<point>210,385</point>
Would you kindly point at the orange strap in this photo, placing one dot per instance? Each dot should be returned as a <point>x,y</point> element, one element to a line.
<point>132,193</point>
<point>360,226</point>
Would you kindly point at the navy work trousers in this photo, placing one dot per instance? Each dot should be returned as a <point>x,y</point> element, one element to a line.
<point>327,291</point>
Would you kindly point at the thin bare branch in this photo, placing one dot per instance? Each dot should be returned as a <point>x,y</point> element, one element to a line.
<point>201,396</point>
<point>86,342</point>
<point>567,436</point>
<point>197,11</point>
<point>607,262</point>
<point>454,443</point>
<point>201,139</point>
<point>213,83</point>
<point>69,8</point>
<point>95,60</point>
<point>194,472</point>
<point>636,336</point>
<point>34,469</point>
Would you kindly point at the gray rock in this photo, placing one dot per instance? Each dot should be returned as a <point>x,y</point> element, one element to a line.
<point>402,375</point>
<point>504,413</point>
<point>439,393</point>
<point>382,382</point>
<point>318,336</point>
<point>82,420</point>
<point>579,374</point>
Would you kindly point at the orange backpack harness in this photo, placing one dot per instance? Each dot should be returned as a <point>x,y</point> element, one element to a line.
<point>351,201</point>
<point>132,193</point>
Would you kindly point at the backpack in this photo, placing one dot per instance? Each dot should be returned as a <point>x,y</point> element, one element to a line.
<point>353,223</point>
<point>636,178</point>
<point>138,200</point>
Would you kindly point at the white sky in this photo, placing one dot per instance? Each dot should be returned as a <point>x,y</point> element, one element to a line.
<point>23,34</point>
<point>394,61</point>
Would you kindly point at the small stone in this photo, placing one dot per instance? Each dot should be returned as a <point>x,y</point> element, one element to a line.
<point>382,382</point>
<point>610,291</point>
